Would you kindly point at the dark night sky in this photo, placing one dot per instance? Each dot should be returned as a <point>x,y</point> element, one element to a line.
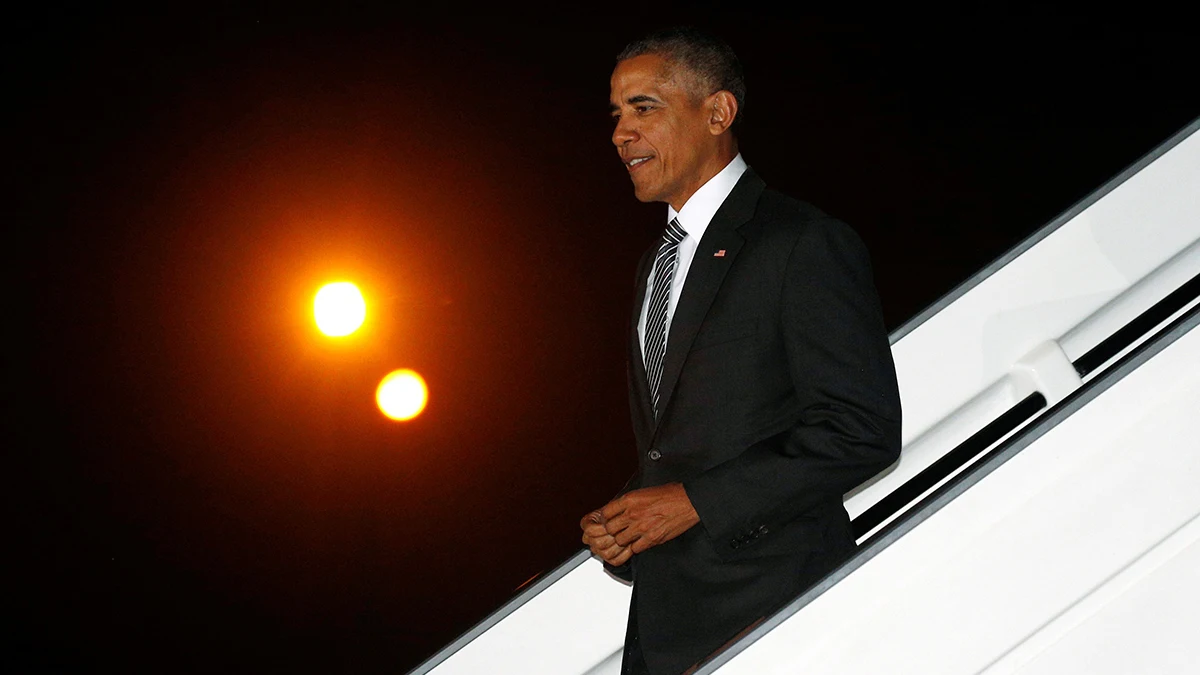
<point>202,483</point>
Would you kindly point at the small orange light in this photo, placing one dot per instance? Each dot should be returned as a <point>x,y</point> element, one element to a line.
<point>402,395</point>
<point>339,309</point>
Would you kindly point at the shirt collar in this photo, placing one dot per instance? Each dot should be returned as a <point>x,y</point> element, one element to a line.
<point>700,208</point>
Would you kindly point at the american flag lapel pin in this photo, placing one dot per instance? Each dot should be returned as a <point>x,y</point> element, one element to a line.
<point>719,254</point>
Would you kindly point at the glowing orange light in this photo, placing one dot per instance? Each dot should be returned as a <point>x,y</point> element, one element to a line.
<point>402,395</point>
<point>339,309</point>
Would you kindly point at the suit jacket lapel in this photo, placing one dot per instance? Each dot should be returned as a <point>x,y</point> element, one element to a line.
<point>704,278</point>
<point>637,363</point>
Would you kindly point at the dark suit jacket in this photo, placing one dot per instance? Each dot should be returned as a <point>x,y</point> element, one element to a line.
<point>778,396</point>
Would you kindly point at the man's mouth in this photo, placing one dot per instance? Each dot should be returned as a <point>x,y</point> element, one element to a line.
<point>636,162</point>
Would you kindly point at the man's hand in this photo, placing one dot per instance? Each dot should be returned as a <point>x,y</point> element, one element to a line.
<point>601,542</point>
<point>641,519</point>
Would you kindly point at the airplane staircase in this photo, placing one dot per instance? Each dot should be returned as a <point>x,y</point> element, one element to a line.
<point>1044,516</point>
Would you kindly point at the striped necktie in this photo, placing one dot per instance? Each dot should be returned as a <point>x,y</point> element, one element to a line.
<point>656,315</point>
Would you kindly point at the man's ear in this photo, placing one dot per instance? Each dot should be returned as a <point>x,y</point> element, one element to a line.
<point>722,109</point>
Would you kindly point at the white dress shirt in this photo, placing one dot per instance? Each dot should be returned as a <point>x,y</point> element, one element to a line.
<point>694,218</point>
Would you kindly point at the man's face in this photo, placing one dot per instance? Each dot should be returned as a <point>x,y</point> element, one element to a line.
<point>662,130</point>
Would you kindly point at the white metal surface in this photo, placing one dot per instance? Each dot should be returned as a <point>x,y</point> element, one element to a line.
<point>1080,542</point>
<point>570,627</point>
<point>1140,620</point>
<point>1093,274</point>
<point>1043,294</point>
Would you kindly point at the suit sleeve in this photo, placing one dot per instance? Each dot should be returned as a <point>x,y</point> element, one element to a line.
<point>848,423</point>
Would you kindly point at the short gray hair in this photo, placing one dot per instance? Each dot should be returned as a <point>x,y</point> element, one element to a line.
<point>709,60</point>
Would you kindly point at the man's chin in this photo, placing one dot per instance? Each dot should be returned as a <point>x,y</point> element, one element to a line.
<point>643,194</point>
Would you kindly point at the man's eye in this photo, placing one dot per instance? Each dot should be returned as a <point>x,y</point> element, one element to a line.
<point>644,108</point>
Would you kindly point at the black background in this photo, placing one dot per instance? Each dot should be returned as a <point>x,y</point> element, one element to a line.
<point>201,482</point>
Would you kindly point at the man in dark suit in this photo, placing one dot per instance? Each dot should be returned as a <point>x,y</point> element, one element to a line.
<point>761,381</point>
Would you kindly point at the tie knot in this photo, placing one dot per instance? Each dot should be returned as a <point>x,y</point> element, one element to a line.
<point>674,232</point>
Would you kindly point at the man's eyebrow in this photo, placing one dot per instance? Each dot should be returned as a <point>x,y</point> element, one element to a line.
<point>634,100</point>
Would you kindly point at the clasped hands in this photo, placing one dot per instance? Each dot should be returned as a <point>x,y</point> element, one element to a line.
<point>638,520</point>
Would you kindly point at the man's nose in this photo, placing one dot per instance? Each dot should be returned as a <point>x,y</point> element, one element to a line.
<point>623,133</point>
